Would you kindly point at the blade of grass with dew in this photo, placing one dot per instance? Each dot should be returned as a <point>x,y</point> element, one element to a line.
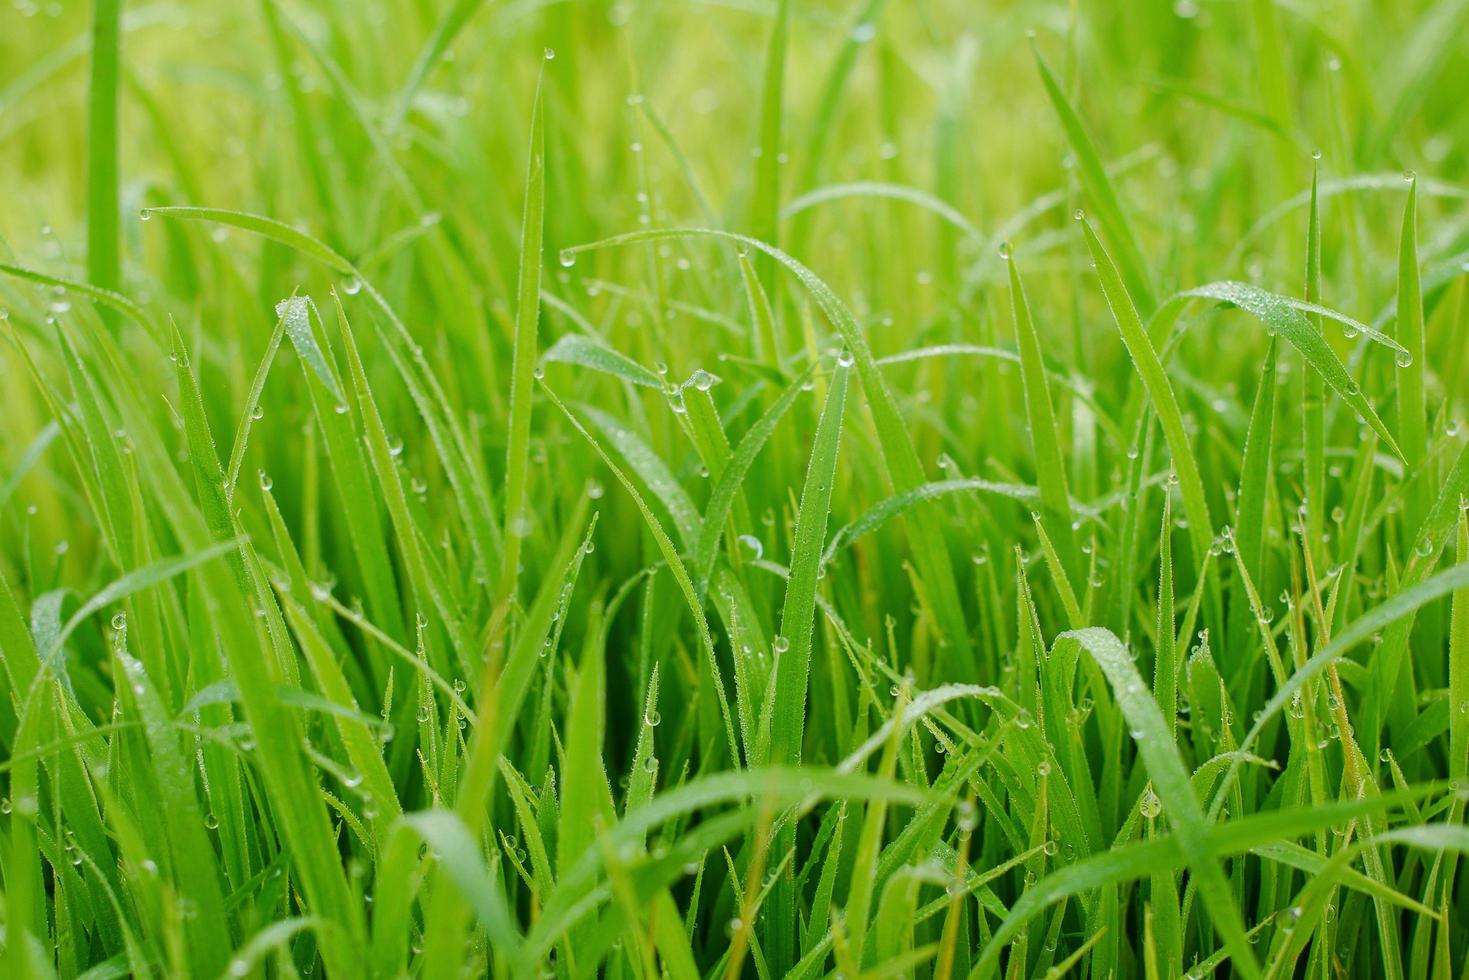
<point>1283,315</point>
<point>585,352</point>
<point>798,610</point>
<point>1170,779</point>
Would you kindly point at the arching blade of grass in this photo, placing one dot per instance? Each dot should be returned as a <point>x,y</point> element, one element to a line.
<point>585,352</point>
<point>129,583</point>
<point>651,469</point>
<point>259,225</point>
<point>106,297</point>
<point>104,241</point>
<point>1099,189</point>
<point>1160,393</point>
<point>893,192</point>
<point>516,523</point>
<point>1171,783</point>
<point>796,618</point>
<point>1130,862</point>
<point>1283,316</point>
<point>892,507</point>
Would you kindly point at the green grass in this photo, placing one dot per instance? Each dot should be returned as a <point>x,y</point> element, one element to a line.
<point>786,488</point>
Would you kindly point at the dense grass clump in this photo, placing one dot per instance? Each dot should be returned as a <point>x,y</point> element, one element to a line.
<point>778,488</point>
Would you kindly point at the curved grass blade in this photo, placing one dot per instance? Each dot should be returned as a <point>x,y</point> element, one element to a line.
<point>1283,315</point>
<point>885,191</point>
<point>259,225</point>
<point>98,294</point>
<point>584,352</point>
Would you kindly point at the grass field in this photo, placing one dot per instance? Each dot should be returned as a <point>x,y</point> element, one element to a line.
<point>734,488</point>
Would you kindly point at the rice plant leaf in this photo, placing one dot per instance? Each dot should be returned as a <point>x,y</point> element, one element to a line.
<point>527,320</point>
<point>1283,316</point>
<point>797,623</point>
<point>257,224</point>
<point>585,352</point>
<point>1160,393</point>
<point>1100,190</point>
<point>1044,440</point>
<point>104,240</point>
